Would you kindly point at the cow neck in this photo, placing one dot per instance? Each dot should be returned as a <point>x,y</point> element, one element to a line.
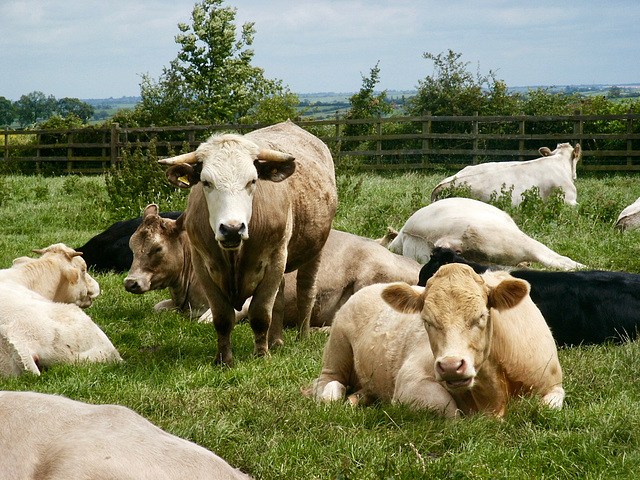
<point>233,280</point>
<point>186,279</point>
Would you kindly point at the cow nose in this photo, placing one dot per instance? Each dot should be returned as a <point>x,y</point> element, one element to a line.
<point>132,285</point>
<point>232,233</point>
<point>449,368</point>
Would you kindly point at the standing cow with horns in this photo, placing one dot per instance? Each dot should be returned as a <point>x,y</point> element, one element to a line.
<point>259,225</point>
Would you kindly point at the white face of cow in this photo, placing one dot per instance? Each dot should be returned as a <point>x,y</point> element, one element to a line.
<point>228,180</point>
<point>230,168</point>
<point>455,309</point>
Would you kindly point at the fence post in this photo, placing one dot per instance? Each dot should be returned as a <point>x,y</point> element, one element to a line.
<point>521,142</point>
<point>6,145</point>
<point>629,141</point>
<point>426,142</point>
<point>475,138</point>
<point>379,141</point>
<point>114,144</point>
<point>69,152</point>
<point>577,126</point>
<point>191,135</point>
<point>38,162</point>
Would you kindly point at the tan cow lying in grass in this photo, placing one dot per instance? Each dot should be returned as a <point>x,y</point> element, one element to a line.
<point>36,328</point>
<point>162,259</point>
<point>50,437</point>
<point>465,342</point>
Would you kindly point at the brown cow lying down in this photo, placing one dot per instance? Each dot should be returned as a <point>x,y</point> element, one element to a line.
<point>37,332</point>
<point>60,275</point>
<point>162,259</point>
<point>47,436</point>
<point>465,343</point>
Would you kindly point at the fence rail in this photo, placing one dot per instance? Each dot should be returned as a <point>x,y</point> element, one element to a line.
<point>609,142</point>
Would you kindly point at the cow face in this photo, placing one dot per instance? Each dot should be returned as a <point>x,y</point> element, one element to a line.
<point>76,285</point>
<point>157,253</point>
<point>455,308</point>
<point>228,167</point>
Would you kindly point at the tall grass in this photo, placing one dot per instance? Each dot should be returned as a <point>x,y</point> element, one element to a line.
<point>254,415</point>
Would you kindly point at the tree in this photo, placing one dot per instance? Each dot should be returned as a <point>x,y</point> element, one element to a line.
<point>366,103</point>
<point>35,106</point>
<point>7,111</point>
<point>73,106</point>
<point>453,90</point>
<point>212,79</point>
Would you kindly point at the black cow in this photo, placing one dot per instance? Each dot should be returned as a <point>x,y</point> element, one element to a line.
<point>110,250</point>
<point>580,307</point>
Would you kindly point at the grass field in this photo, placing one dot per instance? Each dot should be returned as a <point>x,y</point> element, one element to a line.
<point>254,416</point>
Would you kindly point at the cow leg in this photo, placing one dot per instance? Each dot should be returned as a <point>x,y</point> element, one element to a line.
<point>306,294</point>
<point>276,338</point>
<point>419,390</point>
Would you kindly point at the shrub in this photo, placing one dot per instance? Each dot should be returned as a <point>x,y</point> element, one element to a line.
<point>138,181</point>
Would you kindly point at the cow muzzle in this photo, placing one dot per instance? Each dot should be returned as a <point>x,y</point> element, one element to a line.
<point>231,235</point>
<point>135,285</point>
<point>456,372</point>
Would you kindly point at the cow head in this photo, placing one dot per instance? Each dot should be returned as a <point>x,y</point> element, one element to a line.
<point>573,154</point>
<point>157,252</point>
<point>455,308</point>
<point>76,285</point>
<point>228,167</point>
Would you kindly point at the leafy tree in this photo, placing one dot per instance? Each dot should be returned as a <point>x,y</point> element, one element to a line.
<point>73,106</point>
<point>212,79</point>
<point>454,90</point>
<point>7,111</point>
<point>367,104</point>
<point>274,109</point>
<point>35,106</point>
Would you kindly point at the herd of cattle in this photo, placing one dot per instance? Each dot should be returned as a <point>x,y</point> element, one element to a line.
<point>413,318</point>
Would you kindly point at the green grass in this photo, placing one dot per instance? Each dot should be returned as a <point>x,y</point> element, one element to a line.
<point>254,415</point>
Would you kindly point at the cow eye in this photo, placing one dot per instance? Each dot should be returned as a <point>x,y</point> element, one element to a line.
<point>206,184</point>
<point>251,184</point>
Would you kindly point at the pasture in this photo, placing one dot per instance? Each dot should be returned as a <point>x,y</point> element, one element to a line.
<point>254,416</point>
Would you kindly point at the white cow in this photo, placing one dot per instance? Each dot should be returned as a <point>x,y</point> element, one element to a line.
<point>464,342</point>
<point>555,169</point>
<point>629,218</point>
<point>41,322</point>
<point>51,437</point>
<point>477,230</point>
<point>60,275</point>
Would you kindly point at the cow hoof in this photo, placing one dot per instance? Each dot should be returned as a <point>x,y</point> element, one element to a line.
<point>277,343</point>
<point>224,360</point>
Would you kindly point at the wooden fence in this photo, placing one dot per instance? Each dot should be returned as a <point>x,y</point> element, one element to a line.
<point>609,142</point>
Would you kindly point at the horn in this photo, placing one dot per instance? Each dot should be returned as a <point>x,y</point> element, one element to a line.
<point>184,158</point>
<point>273,156</point>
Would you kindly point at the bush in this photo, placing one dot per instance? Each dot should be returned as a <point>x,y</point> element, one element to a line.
<point>138,181</point>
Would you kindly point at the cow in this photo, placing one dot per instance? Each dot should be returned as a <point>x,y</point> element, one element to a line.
<point>36,333</point>
<point>629,218</point>
<point>53,437</point>
<point>253,214</point>
<point>585,307</point>
<point>477,230</point>
<point>554,169</point>
<point>162,259</point>
<point>60,275</point>
<point>465,343</point>
<point>109,250</point>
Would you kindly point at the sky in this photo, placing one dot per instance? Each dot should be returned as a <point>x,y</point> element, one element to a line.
<point>100,49</point>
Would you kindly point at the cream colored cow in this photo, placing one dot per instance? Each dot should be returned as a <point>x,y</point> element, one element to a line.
<point>60,275</point>
<point>465,343</point>
<point>50,437</point>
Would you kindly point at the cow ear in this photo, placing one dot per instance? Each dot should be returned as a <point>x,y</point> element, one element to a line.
<point>274,171</point>
<point>508,293</point>
<point>184,175</point>
<point>151,209</point>
<point>403,298</point>
<point>576,151</point>
<point>544,151</point>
